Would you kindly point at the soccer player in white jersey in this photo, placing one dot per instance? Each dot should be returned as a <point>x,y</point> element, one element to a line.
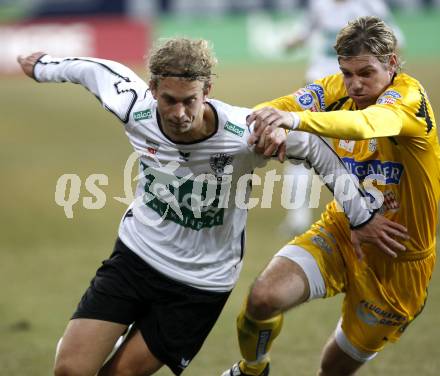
<point>179,252</point>
<point>318,29</point>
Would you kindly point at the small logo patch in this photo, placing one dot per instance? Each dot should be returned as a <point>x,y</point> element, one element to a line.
<point>304,98</point>
<point>389,97</point>
<point>347,145</point>
<point>322,243</point>
<point>319,92</point>
<point>235,129</point>
<point>392,93</point>
<point>184,363</point>
<point>152,147</point>
<point>372,145</point>
<point>140,115</point>
<point>219,161</point>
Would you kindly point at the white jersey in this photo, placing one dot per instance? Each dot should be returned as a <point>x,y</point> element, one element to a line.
<point>189,215</point>
<point>324,21</point>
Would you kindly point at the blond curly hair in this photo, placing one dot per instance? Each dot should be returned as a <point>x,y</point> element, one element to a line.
<point>190,59</point>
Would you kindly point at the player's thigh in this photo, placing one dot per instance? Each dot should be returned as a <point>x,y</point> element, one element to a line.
<point>318,253</point>
<point>133,358</point>
<point>179,321</point>
<point>85,345</point>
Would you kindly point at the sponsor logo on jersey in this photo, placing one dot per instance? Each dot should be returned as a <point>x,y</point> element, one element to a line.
<point>372,314</point>
<point>195,204</point>
<point>304,98</point>
<point>347,145</point>
<point>388,97</point>
<point>392,93</point>
<point>391,171</point>
<point>140,115</point>
<point>322,243</point>
<point>219,161</point>
<point>235,129</point>
<point>319,92</point>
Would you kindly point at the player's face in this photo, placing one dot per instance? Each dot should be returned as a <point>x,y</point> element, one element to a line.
<point>366,78</point>
<point>180,104</point>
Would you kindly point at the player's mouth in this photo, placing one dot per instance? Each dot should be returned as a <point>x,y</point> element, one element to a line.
<point>358,96</point>
<point>180,124</point>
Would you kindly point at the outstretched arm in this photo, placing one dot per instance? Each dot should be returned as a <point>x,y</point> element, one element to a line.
<point>113,84</point>
<point>367,225</point>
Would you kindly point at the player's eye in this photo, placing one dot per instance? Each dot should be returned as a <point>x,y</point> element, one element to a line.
<point>189,101</point>
<point>170,100</point>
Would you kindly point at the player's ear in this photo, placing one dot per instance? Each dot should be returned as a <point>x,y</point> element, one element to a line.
<point>152,84</point>
<point>207,89</point>
<point>393,64</point>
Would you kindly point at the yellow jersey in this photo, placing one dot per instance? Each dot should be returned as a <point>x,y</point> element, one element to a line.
<point>394,140</point>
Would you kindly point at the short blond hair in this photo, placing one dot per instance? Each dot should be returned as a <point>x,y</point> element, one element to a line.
<point>366,35</point>
<point>191,59</point>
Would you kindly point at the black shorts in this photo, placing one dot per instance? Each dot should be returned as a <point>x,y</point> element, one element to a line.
<point>174,318</point>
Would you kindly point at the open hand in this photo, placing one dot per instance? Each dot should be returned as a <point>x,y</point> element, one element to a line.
<point>382,233</point>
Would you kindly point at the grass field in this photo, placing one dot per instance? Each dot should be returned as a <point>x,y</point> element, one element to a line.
<point>47,260</point>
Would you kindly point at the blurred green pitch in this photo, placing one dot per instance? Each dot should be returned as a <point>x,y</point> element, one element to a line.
<point>47,260</point>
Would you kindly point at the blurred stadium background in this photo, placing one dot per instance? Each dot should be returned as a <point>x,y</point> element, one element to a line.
<point>47,260</point>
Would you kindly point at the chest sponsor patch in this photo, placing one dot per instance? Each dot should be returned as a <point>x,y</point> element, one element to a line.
<point>185,201</point>
<point>234,129</point>
<point>391,171</point>
<point>140,115</point>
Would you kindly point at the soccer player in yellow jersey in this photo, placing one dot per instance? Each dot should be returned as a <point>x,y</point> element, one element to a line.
<point>384,129</point>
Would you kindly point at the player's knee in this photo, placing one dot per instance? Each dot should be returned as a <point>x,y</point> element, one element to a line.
<point>263,302</point>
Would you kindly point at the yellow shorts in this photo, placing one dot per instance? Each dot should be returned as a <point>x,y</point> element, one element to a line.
<point>382,295</point>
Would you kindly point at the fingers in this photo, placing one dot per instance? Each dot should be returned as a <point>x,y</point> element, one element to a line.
<point>396,229</point>
<point>273,140</point>
<point>267,117</point>
<point>358,251</point>
<point>385,249</point>
<point>255,119</point>
<point>390,231</point>
<point>282,152</point>
<point>260,144</point>
<point>392,243</point>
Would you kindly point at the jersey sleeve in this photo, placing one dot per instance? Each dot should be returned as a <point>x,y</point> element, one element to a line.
<point>314,97</point>
<point>402,110</point>
<point>114,85</point>
<point>315,152</point>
